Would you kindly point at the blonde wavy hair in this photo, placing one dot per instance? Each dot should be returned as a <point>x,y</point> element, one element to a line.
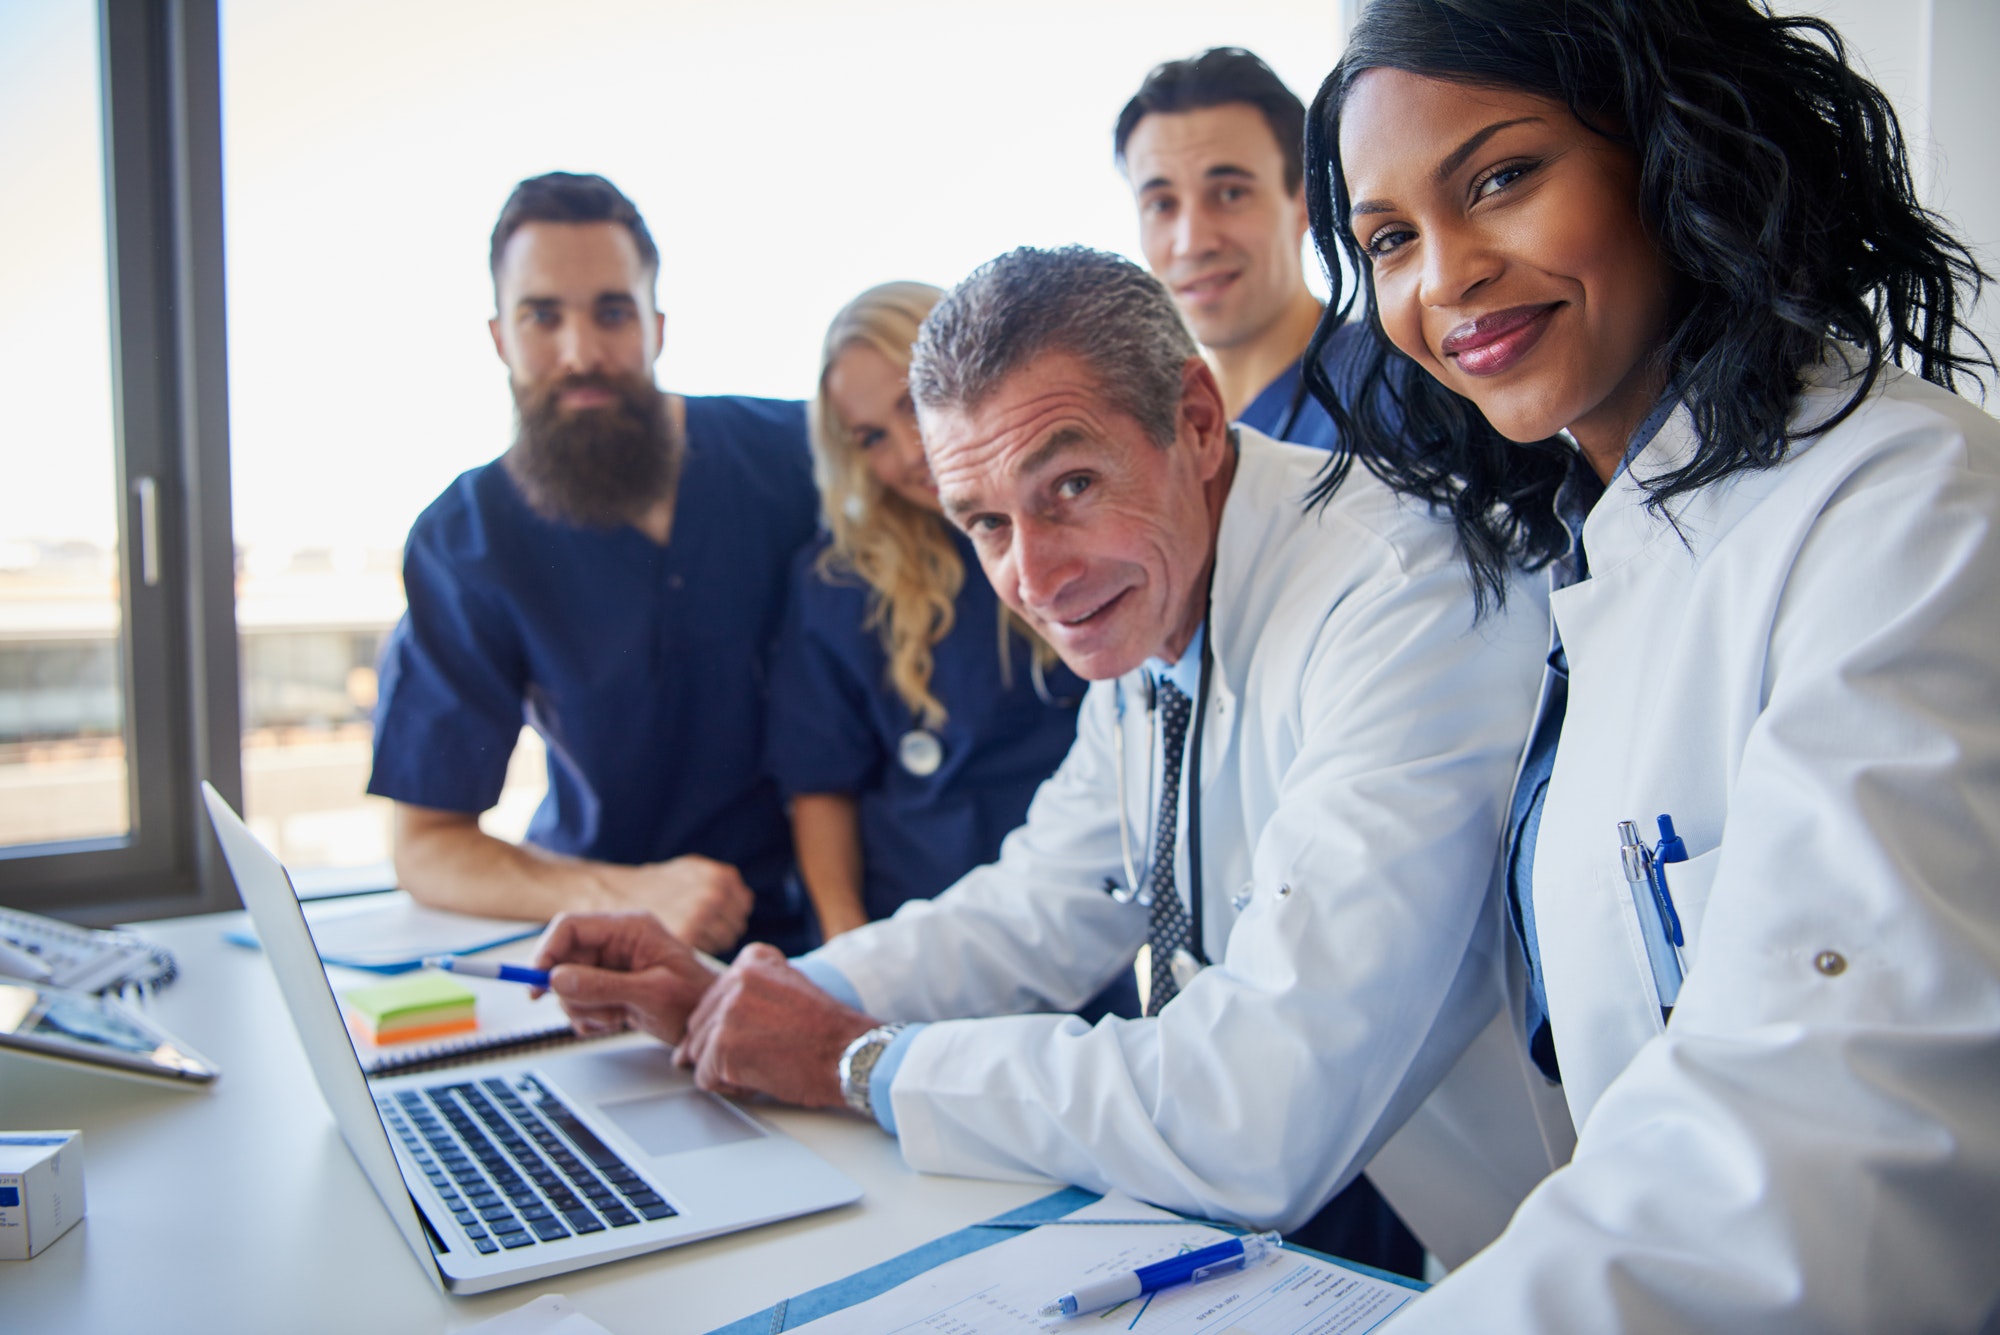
<point>903,552</point>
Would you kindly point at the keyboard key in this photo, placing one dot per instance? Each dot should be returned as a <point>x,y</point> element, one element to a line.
<point>465,1217</point>
<point>583,1221</point>
<point>658,1210</point>
<point>618,1216</point>
<point>493,1214</point>
<point>513,1240</point>
<point>548,1230</point>
<point>485,1245</point>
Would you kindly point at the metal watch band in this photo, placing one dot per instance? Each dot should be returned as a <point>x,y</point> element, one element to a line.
<point>857,1064</point>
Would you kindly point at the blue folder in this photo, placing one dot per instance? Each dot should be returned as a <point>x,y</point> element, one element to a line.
<point>792,1313</point>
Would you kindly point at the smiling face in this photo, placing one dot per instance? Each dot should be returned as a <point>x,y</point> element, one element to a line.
<point>1216,223</point>
<point>1508,255</point>
<point>871,395</point>
<point>1099,537</point>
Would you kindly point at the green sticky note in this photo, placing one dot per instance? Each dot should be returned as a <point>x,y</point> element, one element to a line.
<point>386,1005</point>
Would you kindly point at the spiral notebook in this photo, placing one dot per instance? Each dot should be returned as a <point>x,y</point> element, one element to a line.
<point>406,1058</point>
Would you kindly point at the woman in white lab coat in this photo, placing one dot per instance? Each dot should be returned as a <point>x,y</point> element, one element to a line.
<point>1641,278</point>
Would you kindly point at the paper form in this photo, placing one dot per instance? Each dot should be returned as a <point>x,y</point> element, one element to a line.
<point>550,1314</point>
<point>999,1289</point>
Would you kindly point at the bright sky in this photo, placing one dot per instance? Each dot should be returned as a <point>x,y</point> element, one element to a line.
<point>786,154</point>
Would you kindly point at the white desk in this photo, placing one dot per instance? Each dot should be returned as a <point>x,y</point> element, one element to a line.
<point>239,1209</point>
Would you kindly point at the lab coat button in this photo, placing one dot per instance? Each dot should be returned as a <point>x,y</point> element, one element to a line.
<point>1831,963</point>
<point>1284,889</point>
<point>1241,899</point>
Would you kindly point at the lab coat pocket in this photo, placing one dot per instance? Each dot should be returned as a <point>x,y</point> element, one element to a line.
<point>1689,883</point>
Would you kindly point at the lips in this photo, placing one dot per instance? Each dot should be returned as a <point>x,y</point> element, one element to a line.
<point>1492,343</point>
<point>1088,619</point>
<point>1204,287</point>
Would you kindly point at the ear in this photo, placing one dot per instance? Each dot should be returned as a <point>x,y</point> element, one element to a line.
<point>499,348</point>
<point>659,334</point>
<point>1203,416</point>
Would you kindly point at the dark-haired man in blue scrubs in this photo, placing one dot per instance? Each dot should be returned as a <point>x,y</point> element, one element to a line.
<point>613,581</point>
<point>1213,148</point>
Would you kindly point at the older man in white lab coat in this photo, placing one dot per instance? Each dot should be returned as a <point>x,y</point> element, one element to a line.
<point>1287,788</point>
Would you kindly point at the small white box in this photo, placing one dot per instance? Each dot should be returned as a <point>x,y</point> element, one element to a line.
<point>41,1189</point>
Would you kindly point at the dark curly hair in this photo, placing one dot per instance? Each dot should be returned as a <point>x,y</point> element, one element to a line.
<point>1773,177</point>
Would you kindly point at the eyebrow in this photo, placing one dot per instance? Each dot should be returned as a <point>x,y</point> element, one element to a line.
<point>1445,169</point>
<point>1228,171</point>
<point>601,301</point>
<point>1062,438</point>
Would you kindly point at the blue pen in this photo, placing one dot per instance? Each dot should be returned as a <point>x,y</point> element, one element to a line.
<point>1647,899</point>
<point>1669,849</point>
<point>506,973</point>
<point>1223,1258</point>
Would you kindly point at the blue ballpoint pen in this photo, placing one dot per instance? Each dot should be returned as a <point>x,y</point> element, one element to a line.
<point>1648,900</point>
<point>1190,1268</point>
<point>1669,849</point>
<point>506,973</point>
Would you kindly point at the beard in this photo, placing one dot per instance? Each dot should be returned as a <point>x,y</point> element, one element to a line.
<point>593,467</point>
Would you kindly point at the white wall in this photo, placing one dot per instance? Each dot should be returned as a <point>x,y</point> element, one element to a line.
<point>1964,114</point>
<point>1939,62</point>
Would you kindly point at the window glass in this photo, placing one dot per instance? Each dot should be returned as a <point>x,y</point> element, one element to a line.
<point>63,772</point>
<point>786,154</point>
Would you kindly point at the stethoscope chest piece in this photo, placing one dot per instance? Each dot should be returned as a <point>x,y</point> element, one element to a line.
<point>920,752</point>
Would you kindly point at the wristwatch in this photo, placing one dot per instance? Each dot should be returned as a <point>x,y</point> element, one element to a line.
<point>857,1064</point>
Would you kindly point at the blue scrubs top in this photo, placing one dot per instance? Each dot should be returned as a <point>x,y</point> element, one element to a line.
<point>837,726</point>
<point>643,667</point>
<point>1271,412</point>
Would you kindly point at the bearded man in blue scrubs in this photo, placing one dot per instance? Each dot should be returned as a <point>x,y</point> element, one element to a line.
<point>614,581</point>
<point>1213,148</point>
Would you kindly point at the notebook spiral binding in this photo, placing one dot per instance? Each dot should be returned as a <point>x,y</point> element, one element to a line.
<point>471,1048</point>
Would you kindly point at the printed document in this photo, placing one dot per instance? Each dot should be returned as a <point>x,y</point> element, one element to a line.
<point>999,1289</point>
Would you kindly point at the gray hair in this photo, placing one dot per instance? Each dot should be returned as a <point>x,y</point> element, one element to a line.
<point>1100,308</point>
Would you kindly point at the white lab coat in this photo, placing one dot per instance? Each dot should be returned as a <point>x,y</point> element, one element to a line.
<point>1807,678</point>
<point>1360,739</point>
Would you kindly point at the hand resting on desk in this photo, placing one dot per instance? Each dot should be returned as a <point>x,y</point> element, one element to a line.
<point>765,1028</point>
<point>759,1026</point>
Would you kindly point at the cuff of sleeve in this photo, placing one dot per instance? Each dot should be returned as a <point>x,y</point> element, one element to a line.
<point>884,1075</point>
<point>828,979</point>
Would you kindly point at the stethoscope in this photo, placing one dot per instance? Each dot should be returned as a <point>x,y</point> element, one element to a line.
<point>920,751</point>
<point>1186,963</point>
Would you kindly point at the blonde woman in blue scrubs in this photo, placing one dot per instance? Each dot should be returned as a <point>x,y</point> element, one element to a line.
<point>911,721</point>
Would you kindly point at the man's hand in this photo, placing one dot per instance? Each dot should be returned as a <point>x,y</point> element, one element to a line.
<point>764,1028</point>
<point>703,902</point>
<point>615,971</point>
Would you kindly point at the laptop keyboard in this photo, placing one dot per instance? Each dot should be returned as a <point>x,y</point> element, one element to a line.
<point>514,1164</point>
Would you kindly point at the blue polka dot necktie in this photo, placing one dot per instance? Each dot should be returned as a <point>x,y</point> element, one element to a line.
<point>1169,931</point>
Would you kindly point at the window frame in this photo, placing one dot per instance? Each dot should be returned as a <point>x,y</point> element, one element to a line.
<point>160,62</point>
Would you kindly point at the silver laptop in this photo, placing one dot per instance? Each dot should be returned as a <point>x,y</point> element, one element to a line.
<point>505,1171</point>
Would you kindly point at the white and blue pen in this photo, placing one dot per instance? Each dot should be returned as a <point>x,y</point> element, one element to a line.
<point>1224,1258</point>
<point>1659,925</point>
<point>506,973</point>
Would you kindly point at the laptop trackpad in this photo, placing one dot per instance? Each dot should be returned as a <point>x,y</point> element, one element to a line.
<point>665,1124</point>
